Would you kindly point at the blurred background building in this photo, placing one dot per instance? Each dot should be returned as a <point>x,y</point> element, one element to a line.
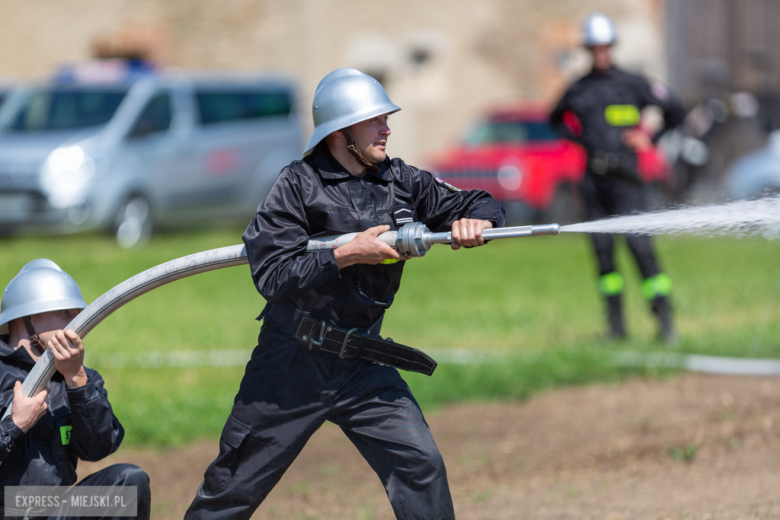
<point>441,60</point>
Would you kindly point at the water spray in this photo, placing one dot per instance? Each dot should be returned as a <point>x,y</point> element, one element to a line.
<point>744,218</point>
<point>412,240</point>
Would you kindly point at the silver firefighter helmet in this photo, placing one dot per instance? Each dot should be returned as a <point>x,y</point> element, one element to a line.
<point>40,286</point>
<point>345,97</point>
<point>598,29</point>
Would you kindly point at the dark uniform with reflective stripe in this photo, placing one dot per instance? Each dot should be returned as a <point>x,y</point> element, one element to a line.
<point>78,424</point>
<point>606,104</point>
<point>289,390</point>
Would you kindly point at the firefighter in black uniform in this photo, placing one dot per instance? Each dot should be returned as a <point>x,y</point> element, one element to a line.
<point>608,103</point>
<point>45,435</point>
<point>319,353</point>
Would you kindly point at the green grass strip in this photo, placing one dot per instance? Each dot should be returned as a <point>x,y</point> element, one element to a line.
<point>535,299</point>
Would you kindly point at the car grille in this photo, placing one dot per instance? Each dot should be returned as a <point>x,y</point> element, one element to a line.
<point>18,176</point>
<point>20,207</point>
<point>468,174</point>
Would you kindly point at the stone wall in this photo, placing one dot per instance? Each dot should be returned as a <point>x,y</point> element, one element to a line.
<point>441,60</point>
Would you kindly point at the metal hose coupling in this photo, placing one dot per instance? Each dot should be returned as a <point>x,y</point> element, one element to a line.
<point>413,240</point>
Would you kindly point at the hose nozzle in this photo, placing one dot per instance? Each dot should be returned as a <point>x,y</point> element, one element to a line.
<point>415,239</point>
<point>545,229</point>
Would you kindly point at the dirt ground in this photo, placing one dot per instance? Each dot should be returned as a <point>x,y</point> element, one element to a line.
<point>694,446</point>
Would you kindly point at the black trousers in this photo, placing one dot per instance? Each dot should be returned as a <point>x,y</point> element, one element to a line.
<point>610,195</point>
<point>286,394</point>
<point>119,475</point>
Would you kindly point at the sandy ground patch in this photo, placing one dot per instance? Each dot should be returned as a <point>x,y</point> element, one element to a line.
<point>692,446</point>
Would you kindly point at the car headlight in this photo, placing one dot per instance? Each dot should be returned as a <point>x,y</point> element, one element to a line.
<point>65,173</point>
<point>66,160</point>
<point>68,165</point>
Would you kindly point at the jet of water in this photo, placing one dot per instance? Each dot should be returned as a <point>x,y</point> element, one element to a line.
<point>743,218</point>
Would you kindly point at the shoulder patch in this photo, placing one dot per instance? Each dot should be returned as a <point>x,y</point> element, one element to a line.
<point>65,432</point>
<point>403,216</point>
<point>659,90</point>
<point>447,185</point>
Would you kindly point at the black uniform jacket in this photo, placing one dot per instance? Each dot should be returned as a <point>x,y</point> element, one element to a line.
<point>78,424</point>
<point>315,197</point>
<point>607,103</point>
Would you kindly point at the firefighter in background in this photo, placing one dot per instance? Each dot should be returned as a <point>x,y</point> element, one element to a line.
<point>608,103</point>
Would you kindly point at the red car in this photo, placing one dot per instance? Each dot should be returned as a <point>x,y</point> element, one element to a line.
<point>515,154</point>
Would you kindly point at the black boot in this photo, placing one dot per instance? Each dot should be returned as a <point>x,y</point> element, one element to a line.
<point>617,329</point>
<point>662,309</point>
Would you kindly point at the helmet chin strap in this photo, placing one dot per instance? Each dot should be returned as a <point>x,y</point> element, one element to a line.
<point>353,149</point>
<point>35,341</point>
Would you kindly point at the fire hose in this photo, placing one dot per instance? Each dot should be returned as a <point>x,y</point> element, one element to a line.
<point>412,240</point>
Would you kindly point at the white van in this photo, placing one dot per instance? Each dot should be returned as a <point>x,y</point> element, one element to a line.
<point>127,151</point>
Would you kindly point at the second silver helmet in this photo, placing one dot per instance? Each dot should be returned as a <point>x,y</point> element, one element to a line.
<point>40,286</point>
<point>598,29</point>
<point>345,97</point>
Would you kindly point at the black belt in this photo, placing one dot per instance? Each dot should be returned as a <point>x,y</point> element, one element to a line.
<point>321,335</point>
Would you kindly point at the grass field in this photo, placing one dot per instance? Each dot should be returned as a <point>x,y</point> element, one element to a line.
<point>532,300</point>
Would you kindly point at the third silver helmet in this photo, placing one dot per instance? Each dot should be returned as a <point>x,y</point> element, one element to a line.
<point>598,29</point>
<point>40,286</point>
<point>345,97</point>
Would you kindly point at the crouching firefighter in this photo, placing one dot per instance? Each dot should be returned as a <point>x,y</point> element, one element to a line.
<point>608,103</point>
<point>320,356</point>
<point>45,435</point>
